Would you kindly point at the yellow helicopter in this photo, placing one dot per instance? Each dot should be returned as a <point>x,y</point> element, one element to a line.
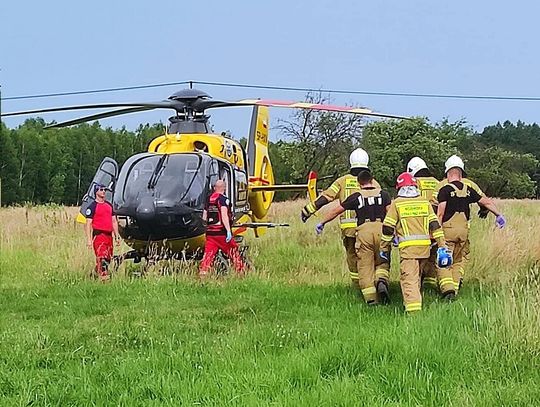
<point>158,196</point>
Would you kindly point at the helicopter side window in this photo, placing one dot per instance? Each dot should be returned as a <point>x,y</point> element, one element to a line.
<point>192,182</point>
<point>225,175</point>
<point>200,146</point>
<point>241,188</point>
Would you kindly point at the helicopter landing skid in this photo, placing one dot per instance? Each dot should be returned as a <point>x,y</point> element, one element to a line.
<point>131,255</point>
<point>221,263</point>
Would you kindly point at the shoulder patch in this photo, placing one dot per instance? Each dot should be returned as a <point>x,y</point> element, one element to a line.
<point>88,212</point>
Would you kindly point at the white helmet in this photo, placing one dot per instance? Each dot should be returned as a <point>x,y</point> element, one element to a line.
<point>454,162</point>
<point>359,158</point>
<point>416,164</point>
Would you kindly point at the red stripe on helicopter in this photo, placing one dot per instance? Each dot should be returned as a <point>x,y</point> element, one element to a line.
<point>314,106</point>
<point>262,181</point>
<point>240,230</point>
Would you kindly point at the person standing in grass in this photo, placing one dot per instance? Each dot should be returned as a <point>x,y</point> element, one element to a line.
<point>412,219</point>
<point>427,183</point>
<point>101,225</point>
<point>219,217</point>
<point>341,189</point>
<point>453,212</point>
<point>369,205</point>
<point>482,214</point>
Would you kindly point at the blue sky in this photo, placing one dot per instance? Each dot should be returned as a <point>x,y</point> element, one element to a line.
<point>458,47</point>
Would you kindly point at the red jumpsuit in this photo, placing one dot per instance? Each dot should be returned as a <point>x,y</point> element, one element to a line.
<point>102,227</point>
<point>216,236</point>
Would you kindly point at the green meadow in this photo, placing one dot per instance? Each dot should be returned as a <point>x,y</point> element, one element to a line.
<point>292,333</point>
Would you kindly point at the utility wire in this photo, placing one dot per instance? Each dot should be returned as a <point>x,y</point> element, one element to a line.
<point>85,92</point>
<point>283,88</point>
<point>361,92</point>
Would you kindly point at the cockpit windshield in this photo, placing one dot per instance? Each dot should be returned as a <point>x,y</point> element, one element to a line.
<point>171,180</point>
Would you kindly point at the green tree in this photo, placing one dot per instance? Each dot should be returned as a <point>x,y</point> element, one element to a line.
<point>8,166</point>
<point>503,173</point>
<point>318,141</point>
<point>519,137</point>
<point>392,143</point>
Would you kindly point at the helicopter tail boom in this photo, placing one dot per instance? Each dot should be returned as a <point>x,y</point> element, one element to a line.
<point>310,186</point>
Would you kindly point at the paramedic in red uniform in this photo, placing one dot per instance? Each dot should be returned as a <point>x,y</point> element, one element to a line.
<point>100,227</point>
<point>218,215</point>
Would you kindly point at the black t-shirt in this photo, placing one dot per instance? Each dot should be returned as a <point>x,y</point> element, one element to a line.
<point>455,203</point>
<point>367,207</point>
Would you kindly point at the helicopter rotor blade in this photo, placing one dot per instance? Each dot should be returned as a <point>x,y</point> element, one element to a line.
<point>203,104</point>
<point>99,116</point>
<point>301,105</point>
<point>164,104</point>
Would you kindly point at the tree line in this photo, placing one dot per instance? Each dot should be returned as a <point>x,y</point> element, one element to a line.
<point>504,159</point>
<point>57,165</point>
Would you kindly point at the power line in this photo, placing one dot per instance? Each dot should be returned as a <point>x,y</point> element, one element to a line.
<point>361,92</point>
<point>85,92</point>
<point>282,88</point>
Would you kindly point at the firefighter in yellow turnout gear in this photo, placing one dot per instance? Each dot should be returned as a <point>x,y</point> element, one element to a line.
<point>427,184</point>
<point>369,205</point>
<point>412,219</point>
<point>453,212</point>
<point>482,213</point>
<point>341,189</point>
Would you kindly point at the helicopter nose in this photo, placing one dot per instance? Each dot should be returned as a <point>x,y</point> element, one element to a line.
<point>146,208</point>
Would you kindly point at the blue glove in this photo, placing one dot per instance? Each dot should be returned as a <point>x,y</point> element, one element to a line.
<point>500,221</point>
<point>229,237</point>
<point>395,241</point>
<point>384,255</point>
<point>444,257</point>
<point>319,228</point>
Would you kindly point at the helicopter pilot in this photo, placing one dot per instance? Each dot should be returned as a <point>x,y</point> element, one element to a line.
<point>100,228</point>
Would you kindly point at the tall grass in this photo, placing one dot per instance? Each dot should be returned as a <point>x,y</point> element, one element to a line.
<point>293,333</point>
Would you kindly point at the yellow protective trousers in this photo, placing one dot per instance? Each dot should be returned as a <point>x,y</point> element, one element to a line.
<point>410,283</point>
<point>466,258</point>
<point>429,269</point>
<point>456,232</point>
<point>370,266</point>
<point>350,251</point>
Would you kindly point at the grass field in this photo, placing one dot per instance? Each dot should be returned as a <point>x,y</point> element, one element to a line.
<point>293,333</point>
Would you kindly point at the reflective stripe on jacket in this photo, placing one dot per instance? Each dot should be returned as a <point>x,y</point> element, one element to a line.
<point>410,218</point>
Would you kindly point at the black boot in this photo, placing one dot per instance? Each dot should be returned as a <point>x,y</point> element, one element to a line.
<point>383,292</point>
<point>449,296</point>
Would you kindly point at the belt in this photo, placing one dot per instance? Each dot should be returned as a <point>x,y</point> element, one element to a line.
<point>362,221</point>
<point>96,232</point>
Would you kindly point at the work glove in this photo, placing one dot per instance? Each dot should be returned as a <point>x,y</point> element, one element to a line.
<point>500,221</point>
<point>483,212</point>
<point>304,215</point>
<point>395,241</point>
<point>319,228</point>
<point>444,257</point>
<point>229,236</point>
<point>384,255</point>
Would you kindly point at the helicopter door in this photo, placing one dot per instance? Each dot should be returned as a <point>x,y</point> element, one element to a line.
<point>106,174</point>
<point>225,175</point>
